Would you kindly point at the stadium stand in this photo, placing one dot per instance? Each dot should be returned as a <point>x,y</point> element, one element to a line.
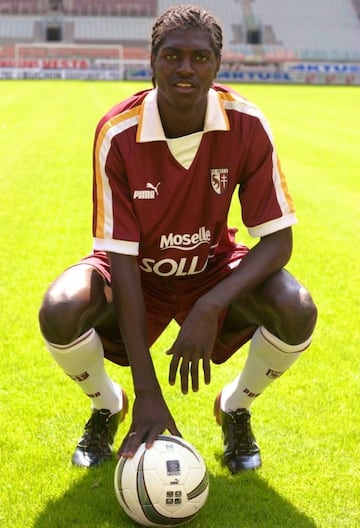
<point>256,32</point>
<point>92,30</point>
<point>133,8</point>
<point>24,7</point>
<point>14,29</point>
<point>308,29</point>
<point>318,30</point>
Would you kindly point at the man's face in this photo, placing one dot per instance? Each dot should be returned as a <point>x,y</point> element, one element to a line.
<point>184,67</point>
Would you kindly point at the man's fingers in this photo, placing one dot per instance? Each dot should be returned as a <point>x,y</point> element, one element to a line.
<point>151,437</point>
<point>130,445</point>
<point>186,366</point>
<point>133,441</point>
<point>174,364</point>
<point>184,375</point>
<point>207,371</point>
<point>195,376</point>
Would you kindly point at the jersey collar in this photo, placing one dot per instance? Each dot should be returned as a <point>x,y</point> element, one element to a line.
<point>150,126</point>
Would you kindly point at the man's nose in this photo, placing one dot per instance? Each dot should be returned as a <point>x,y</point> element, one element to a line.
<point>186,66</point>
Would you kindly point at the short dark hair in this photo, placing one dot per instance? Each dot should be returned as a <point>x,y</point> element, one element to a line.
<point>186,17</point>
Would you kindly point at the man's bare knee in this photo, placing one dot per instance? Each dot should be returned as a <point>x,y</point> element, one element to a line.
<point>59,317</point>
<point>70,305</point>
<point>294,314</point>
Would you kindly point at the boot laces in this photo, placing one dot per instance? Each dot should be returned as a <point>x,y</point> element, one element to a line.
<point>97,434</point>
<point>243,437</point>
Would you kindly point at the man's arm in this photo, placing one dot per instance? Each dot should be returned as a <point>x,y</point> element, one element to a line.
<point>150,413</point>
<point>269,255</point>
<point>197,336</point>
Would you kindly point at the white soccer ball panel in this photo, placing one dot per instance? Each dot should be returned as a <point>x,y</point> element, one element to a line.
<point>165,485</point>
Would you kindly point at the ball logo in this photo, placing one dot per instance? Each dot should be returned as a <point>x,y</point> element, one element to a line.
<point>173,467</point>
<point>219,180</point>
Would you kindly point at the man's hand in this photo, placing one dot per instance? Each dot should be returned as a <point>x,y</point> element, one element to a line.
<point>151,417</point>
<point>194,343</point>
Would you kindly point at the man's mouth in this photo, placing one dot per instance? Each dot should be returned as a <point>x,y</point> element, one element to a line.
<point>184,86</point>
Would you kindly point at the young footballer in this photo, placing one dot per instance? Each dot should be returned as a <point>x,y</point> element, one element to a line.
<point>166,164</point>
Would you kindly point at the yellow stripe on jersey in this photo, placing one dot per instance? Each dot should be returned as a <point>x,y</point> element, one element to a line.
<point>238,103</point>
<point>140,126</point>
<point>227,96</point>
<point>222,98</point>
<point>285,188</point>
<point>118,123</point>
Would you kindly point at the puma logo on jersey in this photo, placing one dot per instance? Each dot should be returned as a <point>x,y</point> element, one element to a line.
<point>149,193</point>
<point>153,187</point>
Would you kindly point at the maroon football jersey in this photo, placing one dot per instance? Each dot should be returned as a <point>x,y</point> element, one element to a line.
<point>146,203</point>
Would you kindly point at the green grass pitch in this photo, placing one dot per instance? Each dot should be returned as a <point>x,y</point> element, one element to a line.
<point>307,422</point>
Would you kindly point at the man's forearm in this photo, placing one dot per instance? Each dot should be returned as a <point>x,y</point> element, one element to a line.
<point>130,309</point>
<point>268,256</point>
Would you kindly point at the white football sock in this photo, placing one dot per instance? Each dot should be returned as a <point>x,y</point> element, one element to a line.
<point>268,358</point>
<point>83,361</point>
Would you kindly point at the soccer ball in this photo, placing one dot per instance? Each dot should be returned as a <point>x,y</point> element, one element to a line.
<point>165,485</point>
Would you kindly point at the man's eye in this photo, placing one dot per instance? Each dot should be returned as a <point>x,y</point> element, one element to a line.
<point>171,56</point>
<point>201,58</point>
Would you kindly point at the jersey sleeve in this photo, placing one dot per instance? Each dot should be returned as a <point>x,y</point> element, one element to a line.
<point>266,204</point>
<point>115,226</point>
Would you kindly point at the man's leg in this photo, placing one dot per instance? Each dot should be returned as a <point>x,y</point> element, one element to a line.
<point>73,305</point>
<point>286,316</point>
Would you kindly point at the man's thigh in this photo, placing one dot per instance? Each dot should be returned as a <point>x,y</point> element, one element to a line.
<point>159,310</point>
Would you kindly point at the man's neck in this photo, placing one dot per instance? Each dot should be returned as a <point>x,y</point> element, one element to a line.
<point>177,123</point>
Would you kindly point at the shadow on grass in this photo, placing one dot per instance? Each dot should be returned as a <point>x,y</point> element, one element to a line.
<point>243,501</point>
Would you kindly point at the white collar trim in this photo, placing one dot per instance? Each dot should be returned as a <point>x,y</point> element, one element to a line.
<point>150,127</point>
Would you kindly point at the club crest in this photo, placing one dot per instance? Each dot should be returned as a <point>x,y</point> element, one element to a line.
<point>219,180</point>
